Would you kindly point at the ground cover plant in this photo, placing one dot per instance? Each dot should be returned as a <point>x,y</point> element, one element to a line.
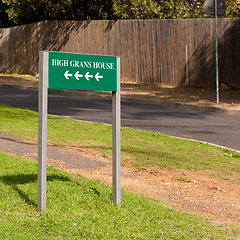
<point>139,148</point>
<point>79,208</point>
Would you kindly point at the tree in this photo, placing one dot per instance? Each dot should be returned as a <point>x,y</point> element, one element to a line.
<point>145,9</point>
<point>18,12</point>
<point>195,8</point>
<point>137,9</point>
<point>28,11</point>
<point>233,8</point>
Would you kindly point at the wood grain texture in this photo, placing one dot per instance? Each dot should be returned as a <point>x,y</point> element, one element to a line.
<point>177,52</point>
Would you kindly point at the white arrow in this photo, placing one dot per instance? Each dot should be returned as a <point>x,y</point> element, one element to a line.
<point>97,76</point>
<point>87,76</point>
<point>77,75</point>
<point>67,75</point>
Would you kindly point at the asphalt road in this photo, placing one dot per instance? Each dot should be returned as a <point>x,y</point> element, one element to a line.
<point>217,128</point>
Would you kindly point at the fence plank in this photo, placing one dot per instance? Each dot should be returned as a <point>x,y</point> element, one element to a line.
<point>164,52</point>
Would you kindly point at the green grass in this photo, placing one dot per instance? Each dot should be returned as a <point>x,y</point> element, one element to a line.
<point>15,74</point>
<point>178,99</point>
<point>78,208</point>
<point>139,148</point>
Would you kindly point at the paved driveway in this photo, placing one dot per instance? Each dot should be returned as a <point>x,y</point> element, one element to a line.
<point>218,128</point>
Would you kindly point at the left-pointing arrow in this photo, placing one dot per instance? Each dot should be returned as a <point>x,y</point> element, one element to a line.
<point>77,75</point>
<point>97,76</point>
<point>87,76</point>
<point>67,75</point>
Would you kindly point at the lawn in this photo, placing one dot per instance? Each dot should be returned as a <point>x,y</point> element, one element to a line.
<point>79,208</point>
<point>139,148</point>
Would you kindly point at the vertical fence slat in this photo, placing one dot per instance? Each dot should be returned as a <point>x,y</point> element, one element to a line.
<point>164,52</point>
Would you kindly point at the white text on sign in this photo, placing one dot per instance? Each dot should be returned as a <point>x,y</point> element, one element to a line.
<point>82,64</point>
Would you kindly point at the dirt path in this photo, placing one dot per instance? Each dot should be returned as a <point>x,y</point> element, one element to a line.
<point>192,192</point>
<point>189,191</point>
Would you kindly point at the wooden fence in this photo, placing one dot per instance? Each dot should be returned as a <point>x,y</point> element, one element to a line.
<point>161,52</point>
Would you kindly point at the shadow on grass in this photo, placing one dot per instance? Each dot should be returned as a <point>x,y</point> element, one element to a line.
<point>21,179</point>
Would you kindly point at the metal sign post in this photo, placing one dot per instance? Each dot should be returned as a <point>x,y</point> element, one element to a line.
<point>216,52</point>
<point>116,140</point>
<point>58,70</point>
<point>215,8</point>
<point>42,130</point>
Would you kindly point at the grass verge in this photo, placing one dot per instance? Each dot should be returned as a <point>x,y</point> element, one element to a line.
<point>15,74</point>
<point>78,208</point>
<point>139,148</point>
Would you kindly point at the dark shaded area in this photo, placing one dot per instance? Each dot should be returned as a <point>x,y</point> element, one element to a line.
<point>15,180</point>
<point>21,45</point>
<point>28,178</point>
<point>4,20</point>
<point>200,69</point>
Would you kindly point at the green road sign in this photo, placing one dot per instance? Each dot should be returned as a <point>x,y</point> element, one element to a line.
<point>82,72</point>
<point>60,70</point>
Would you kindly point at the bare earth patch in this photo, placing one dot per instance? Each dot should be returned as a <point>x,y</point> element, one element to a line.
<point>188,191</point>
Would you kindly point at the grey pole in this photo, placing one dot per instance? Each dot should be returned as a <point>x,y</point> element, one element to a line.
<point>116,140</point>
<point>216,53</point>
<point>42,130</point>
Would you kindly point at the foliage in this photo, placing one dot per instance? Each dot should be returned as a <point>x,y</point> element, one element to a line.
<point>23,12</point>
<point>233,9</point>
<point>135,9</point>
<point>20,12</point>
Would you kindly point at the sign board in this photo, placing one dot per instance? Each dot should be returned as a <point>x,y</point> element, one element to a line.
<point>60,70</point>
<point>82,72</point>
<point>209,8</point>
